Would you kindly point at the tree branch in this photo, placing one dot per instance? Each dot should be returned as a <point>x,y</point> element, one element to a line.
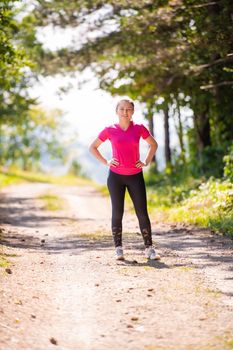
<point>211,86</point>
<point>219,61</point>
<point>205,5</point>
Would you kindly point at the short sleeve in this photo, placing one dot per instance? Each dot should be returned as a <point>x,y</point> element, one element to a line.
<point>144,132</point>
<point>103,135</point>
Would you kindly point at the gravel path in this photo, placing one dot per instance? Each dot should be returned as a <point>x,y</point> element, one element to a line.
<point>64,289</point>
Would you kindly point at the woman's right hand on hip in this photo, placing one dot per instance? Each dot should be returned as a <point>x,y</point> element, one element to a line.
<point>113,162</point>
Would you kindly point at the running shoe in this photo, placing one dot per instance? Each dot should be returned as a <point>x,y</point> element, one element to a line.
<point>119,253</point>
<point>151,254</point>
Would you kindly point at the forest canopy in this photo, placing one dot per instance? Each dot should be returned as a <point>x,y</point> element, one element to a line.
<point>165,54</point>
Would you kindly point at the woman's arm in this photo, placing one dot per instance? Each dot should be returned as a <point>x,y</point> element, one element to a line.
<point>93,148</point>
<point>153,145</point>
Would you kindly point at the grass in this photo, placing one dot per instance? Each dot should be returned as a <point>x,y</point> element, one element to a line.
<point>224,342</point>
<point>3,258</point>
<point>184,268</point>
<point>209,206</point>
<point>14,176</point>
<point>52,202</point>
<point>95,236</point>
<point>214,293</point>
<point>3,261</point>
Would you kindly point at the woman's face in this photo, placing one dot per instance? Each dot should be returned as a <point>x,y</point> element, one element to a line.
<point>125,111</point>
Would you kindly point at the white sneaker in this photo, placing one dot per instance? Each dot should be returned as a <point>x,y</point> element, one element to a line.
<point>119,253</point>
<point>151,254</point>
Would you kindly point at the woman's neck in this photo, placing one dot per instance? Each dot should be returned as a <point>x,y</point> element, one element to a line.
<point>124,124</point>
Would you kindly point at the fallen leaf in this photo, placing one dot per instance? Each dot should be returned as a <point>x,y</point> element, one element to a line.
<point>129,326</point>
<point>53,341</point>
<point>134,318</point>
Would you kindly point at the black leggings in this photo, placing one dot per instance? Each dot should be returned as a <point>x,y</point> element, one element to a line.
<point>135,185</point>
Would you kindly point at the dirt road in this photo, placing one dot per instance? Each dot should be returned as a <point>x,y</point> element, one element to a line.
<point>64,290</point>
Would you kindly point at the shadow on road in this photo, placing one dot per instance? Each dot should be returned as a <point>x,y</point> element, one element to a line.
<point>23,212</point>
<point>75,246</point>
<point>199,244</point>
<point>183,244</point>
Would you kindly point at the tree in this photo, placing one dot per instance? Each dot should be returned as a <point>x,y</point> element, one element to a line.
<point>14,100</point>
<point>152,49</point>
<point>25,144</point>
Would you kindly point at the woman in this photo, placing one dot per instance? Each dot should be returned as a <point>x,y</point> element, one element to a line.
<point>125,172</point>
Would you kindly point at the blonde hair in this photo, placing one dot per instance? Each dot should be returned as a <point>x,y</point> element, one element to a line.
<point>124,100</point>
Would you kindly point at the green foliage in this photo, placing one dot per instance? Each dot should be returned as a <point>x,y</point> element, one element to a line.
<point>76,169</point>
<point>37,135</point>
<point>210,162</point>
<point>210,204</point>
<point>12,58</point>
<point>14,62</point>
<point>175,195</point>
<point>8,178</point>
<point>153,50</point>
<point>228,168</point>
<point>147,50</point>
<point>27,133</point>
<point>170,186</point>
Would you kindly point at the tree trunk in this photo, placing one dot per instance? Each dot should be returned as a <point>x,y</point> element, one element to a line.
<point>151,128</point>
<point>202,126</point>
<point>1,152</point>
<point>180,133</point>
<point>149,116</point>
<point>167,137</point>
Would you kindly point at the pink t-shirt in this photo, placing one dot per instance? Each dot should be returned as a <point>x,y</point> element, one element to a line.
<point>125,146</point>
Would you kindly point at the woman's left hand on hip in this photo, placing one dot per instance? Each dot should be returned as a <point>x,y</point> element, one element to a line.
<point>140,164</point>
